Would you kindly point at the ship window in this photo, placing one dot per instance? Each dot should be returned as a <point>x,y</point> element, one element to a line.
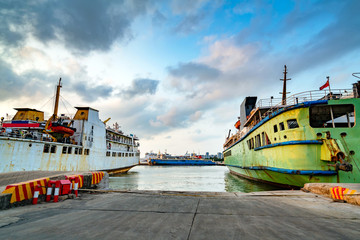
<point>268,139</point>
<point>126,154</point>
<point>114,154</point>
<point>263,139</point>
<point>76,151</point>
<point>252,143</point>
<point>86,151</point>
<point>108,154</point>
<point>257,141</point>
<point>281,126</point>
<point>119,154</point>
<point>249,144</point>
<point>64,150</point>
<point>227,154</point>
<point>46,148</point>
<point>53,149</point>
<point>292,123</point>
<point>69,150</point>
<point>329,116</point>
<point>275,128</point>
<point>80,151</point>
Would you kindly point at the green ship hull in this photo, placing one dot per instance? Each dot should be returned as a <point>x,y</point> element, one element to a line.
<point>310,142</point>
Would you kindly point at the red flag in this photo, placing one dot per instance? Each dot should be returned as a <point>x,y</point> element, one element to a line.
<point>325,85</point>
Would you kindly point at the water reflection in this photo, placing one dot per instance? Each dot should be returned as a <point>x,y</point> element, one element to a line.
<point>185,178</point>
<point>237,184</point>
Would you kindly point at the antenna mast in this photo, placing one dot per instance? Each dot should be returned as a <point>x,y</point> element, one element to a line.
<point>283,102</point>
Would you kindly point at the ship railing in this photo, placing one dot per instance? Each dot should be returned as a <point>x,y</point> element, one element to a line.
<point>276,103</point>
<point>25,136</point>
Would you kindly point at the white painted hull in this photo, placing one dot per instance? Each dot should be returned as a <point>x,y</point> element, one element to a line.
<point>28,155</point>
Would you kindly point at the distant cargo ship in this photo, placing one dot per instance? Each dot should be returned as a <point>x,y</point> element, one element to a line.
<point>28,142</point>
<point>307,138</point>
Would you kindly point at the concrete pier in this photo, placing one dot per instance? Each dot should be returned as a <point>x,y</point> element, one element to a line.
<point>185,215</point>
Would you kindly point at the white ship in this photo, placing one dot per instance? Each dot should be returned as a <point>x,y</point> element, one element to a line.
<point>83,143</point>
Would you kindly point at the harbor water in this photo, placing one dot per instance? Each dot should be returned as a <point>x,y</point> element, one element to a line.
<point>185,178</point>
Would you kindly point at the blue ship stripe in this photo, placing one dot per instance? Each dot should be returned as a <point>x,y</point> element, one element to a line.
<point>288,171</point>
<point>301,142</point>
<point>278,112</point>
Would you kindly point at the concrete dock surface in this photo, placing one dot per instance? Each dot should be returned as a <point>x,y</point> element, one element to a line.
<point>185,215</point>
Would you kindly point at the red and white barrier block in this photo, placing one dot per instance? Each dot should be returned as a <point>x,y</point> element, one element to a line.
<point>50,190</point>
<point>36,194</point>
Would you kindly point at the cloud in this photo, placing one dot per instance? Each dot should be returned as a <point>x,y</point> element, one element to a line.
<point>188,77</point>
<point>335,40</point>
<point>91,93</point>
<point>80,25</point>
<point>141,86</point>
<point>196,15</point>
<point>27,84</point>
<point>178,117</point>
<point>158,18</point>
<point>190,24</point>
<point>187,6</point>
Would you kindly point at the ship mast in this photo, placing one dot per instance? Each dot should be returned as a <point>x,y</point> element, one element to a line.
<point>56,107</point>
<point>283,101</point>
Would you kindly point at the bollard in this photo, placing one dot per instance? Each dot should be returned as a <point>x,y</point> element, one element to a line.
<point>36,194</point>
<point>57,190</point>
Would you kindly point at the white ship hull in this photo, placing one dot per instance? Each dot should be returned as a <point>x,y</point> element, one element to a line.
<point>28,155</point>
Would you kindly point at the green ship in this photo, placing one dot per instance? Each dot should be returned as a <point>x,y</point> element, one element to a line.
<point>309,137</point>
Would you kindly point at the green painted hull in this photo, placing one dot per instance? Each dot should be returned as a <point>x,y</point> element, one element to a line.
<point>298,156</point>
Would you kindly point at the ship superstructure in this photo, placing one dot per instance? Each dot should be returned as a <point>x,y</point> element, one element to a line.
<point>81,143</point>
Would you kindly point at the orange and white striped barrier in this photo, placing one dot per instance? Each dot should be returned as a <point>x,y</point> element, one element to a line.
<point>338,192</point>
<point>97,177</point>
<point>25,190</point>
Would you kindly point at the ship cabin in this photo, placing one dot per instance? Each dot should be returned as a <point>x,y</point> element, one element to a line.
<point>120,145</point>
<point>27,123</point>
<point>28,114</point>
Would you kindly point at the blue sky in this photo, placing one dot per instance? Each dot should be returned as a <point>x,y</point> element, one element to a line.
<point>172,72</point>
